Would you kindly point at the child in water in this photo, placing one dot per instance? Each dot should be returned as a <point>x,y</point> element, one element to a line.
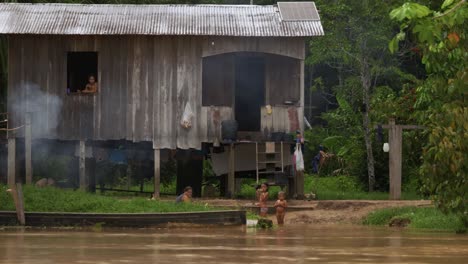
<point>262,200</point>
<point>280,206</point>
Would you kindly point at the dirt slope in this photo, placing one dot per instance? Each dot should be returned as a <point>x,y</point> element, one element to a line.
<point>324,212</point>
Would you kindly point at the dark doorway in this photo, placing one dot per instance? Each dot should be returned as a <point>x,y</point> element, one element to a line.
<point>250,91</point>
<point>189,171</point>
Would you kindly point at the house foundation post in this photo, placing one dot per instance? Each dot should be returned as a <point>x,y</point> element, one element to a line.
<point>82,165</point>
<point>11,162</point>
<point>231,173</point>
<point>28,148</point>
<point>157,173</point>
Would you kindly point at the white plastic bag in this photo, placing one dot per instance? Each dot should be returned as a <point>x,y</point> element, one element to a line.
<point>187,116</point>
<point>299,158</point>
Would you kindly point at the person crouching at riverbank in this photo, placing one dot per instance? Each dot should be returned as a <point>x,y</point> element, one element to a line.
<point>262,200</point>
<point>280,206</point>
<point>186,196</point>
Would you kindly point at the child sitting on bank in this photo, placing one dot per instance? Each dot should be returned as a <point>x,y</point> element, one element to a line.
<point>262,200</point>
<point>280,206</point>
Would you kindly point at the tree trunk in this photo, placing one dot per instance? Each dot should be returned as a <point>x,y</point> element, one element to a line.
<point>366,83</point>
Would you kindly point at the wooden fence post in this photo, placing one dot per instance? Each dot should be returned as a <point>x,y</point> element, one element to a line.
<point>157,173</point>
<point>27,148</point>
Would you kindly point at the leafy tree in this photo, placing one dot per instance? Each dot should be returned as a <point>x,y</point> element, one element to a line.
<point>354,46</point>
<point>442,97</point>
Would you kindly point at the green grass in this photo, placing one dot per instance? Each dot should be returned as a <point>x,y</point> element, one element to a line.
<point>57,200</point>
<point>345,188</point>
<point>420,217</point>
<point>327,188</point>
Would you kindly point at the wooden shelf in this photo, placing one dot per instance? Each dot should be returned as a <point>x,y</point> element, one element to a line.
<point>271,161</point>
<point>270,172</point>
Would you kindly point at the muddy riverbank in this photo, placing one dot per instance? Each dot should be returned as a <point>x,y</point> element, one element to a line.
<point>327,211</point>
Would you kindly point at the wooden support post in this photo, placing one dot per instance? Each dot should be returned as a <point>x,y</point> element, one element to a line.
<point>256,162</point>
<point>27,148</point>
<point>395,142</point>
<point>82,165</point>
<point>11,162</point>
<point>20,204</point>
<point>157,173</point>
<point>16,191</point>
<point>231,172</point>
<point>91,174</point>
<point>300,185</point>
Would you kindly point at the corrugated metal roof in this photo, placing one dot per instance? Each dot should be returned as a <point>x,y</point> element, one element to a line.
<point>218,20</point>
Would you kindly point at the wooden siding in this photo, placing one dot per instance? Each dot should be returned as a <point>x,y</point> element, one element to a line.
<point>144,84</point>
<point>290,47</point>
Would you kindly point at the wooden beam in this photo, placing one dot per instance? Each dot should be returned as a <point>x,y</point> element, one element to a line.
<point>157,173</point>
<point>11,162</point>
<point>28,148</point>
<point>82,164</point>
<point>395,142</point>
<point>389,126</point>
<point>231,172</point>
<point>411,127</point>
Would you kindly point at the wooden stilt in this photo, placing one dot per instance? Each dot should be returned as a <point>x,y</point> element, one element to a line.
<point>20,204</point>
<point>231,173</point>
<point>28,148</point>
<point>11,162</point>
<point>82,165</point>
<point>16,191</point>
<point>157,173</point>
<point>128,173</point>
<point>300,185</point>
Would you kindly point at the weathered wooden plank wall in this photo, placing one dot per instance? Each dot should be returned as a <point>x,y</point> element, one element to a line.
<point>145,83</point>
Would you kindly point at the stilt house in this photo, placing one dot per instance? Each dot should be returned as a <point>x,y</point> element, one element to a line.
<point>166,74</point>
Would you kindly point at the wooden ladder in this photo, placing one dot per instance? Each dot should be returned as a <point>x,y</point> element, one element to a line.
<point>269,156</point>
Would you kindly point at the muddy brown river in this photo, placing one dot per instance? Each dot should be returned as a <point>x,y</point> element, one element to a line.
<point>290,244</point>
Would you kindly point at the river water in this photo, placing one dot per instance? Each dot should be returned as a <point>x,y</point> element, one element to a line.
<point>290,244</point>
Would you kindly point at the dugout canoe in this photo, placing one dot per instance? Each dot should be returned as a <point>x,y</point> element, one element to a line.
<point>229,217</point>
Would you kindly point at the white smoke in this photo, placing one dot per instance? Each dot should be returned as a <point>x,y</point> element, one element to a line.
<point>45,109</point>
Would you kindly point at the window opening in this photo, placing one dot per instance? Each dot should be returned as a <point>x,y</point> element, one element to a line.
<point>82,72</point>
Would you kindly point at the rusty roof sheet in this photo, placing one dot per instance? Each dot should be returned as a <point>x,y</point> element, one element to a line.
<point>208,20</point>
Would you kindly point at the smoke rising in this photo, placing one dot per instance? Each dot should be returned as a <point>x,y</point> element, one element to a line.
<point>45,109</point>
